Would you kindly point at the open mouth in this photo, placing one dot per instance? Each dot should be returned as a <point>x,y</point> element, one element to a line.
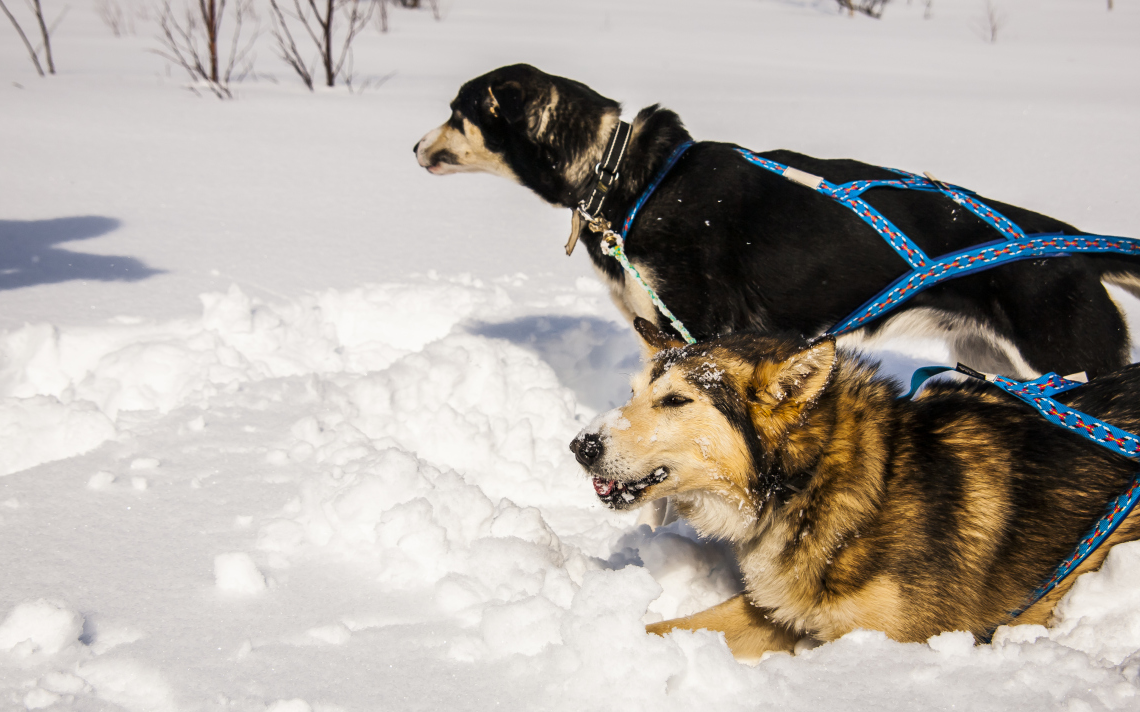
<point>617,494</point>
<point>442,162</point>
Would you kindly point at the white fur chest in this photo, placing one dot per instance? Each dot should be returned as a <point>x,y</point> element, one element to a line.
<point>628,295</point>
<point>777,582</point>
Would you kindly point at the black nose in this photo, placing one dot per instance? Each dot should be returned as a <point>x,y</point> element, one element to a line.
<point>416,148</point>
<point>587,448</point>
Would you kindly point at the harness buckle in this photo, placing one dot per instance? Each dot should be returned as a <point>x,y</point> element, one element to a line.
<point>605,179</point>
<point>600,225</point>
<point>600,171</point>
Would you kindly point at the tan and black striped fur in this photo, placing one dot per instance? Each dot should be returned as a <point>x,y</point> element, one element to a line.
<point>849,508</point>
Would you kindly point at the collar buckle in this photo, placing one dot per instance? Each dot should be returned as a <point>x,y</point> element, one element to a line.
<point>589,210</point>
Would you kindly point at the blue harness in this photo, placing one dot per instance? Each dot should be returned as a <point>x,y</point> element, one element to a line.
<point>1038,393</point>
<point>925,272</point>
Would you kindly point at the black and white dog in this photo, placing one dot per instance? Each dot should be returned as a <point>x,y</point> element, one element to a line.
<point>730,246</point>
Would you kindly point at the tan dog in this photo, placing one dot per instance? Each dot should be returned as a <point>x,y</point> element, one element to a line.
<point>849,508</point>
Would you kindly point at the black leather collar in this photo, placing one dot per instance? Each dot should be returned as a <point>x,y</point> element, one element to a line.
<point>607,170</point>
<point>590,209</point>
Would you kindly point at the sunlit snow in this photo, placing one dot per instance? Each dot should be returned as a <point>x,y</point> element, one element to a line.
<point>284,420</point>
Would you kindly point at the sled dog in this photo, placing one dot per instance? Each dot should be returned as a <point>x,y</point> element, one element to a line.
<point>731,246</point>
<point>848,507</point>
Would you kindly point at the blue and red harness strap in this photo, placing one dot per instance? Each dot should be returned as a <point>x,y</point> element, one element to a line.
<point>664,171</point>
<point>977,259</point>
<point>926,272</point>
<point>1038,393</point>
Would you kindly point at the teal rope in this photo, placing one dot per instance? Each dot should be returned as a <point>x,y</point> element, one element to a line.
<point>613,245</point>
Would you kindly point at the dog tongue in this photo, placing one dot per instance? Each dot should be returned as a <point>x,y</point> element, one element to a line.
<point>603,487</point>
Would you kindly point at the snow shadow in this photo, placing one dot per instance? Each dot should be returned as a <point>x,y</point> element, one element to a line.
<point>596,357</point>
<point>30,253</point>
<point>593,357</point>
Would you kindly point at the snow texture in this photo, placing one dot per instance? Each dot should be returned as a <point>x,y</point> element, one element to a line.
<point>284,420</point>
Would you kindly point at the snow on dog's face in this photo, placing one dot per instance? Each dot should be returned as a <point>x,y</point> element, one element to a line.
<point>669,438</point>
<point>708,424</point>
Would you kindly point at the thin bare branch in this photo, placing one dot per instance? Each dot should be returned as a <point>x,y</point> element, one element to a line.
<point>46,42</point>
<point>240,54</point>
<point>58,19</point>
<point>357,21</point>
<point>304,18</point>
<point>51,28</point>
<point>287,48</point>
<point>382,18</point>
<point>20,31</point>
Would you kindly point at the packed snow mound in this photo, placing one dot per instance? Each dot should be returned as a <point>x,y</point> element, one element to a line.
<point>39,627</point>
<point>237,573</point>
<point>62,391</point>
<point>1098,616</point>
<point>416,493</point>
<point>131,685</point>
<point>42,429</point>
<point>237,339</point>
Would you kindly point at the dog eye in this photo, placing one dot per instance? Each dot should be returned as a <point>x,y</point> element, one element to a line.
<point>675,401</point>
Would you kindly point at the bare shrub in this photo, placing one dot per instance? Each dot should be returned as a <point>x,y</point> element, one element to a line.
<point>318,19</point>
<point>20,31</point>
<point>45,34</point>
<point>870,8</point>
<point>122,17</point>
<point>382,15</point>
<point>112,15</point>
<point>193,40</point>
<point>992,21</point>
<point>382,10</point>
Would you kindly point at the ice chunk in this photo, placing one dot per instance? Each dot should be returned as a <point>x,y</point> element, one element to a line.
<point>236,573</point>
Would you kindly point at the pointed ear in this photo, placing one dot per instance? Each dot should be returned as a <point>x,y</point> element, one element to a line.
<point>799,379</point>
<point>653,337</point>
<point>492,102</point>
<point>508,100</point>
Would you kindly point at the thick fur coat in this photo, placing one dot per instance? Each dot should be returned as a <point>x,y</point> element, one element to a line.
<point>849,508</point>
<point>730,246</point>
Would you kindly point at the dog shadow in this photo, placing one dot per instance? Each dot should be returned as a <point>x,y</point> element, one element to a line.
<point>593,357</point>
<point>30,253</point>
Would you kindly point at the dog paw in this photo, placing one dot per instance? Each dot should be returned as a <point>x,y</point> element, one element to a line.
<point>661,628</point>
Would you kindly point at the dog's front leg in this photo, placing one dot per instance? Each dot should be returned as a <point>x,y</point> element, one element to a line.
<point>747,631</point>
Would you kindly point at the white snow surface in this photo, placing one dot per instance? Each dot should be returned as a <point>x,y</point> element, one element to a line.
<point>284,419</point>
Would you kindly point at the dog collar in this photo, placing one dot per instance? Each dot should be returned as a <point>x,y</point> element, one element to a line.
<point>606,171</point>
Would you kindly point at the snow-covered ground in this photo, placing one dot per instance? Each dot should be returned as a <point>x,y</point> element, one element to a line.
<point>284,419</point>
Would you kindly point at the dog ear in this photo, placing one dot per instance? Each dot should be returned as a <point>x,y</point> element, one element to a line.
<point>799,379</point>
<point>508,100</point>
<point>492,102</point>
<point>653,337</point>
